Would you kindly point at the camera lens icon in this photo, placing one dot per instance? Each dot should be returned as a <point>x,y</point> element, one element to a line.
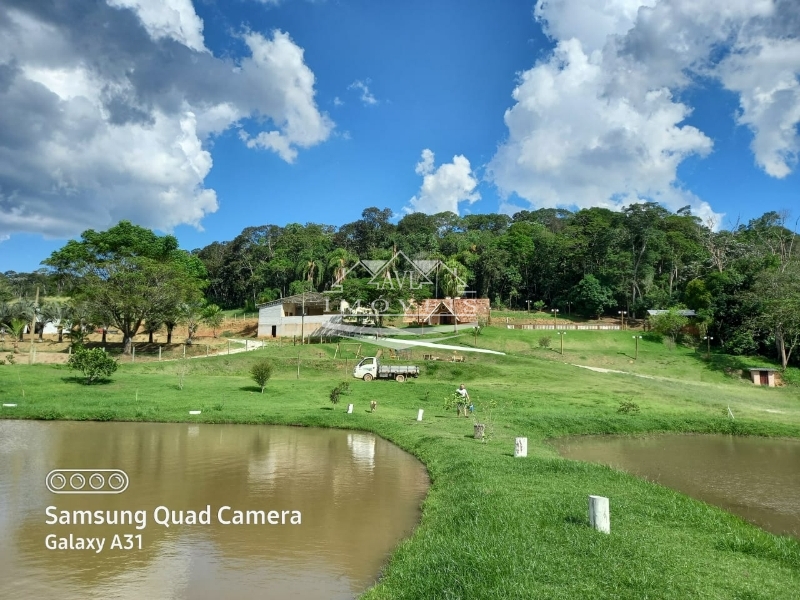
<point>87,481</point>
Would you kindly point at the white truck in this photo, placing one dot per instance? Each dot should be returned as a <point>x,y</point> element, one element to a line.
<point>371,368</point>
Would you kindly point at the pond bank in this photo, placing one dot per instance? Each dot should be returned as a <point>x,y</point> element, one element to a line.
<point>493,526</point>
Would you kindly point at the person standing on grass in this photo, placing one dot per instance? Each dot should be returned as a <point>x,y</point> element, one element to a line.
<point>464,402</point>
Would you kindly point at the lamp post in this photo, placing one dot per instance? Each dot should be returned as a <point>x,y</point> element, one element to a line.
<point>555,317</point>
<point>569,307</point>
<point>303,320</point>
<point>561,334</point>
<point>637,338</point>
<point>529,305</point>
<point>622,314</point>
<point>708,339</point>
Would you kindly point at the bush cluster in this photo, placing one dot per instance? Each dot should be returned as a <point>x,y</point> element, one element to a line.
<point>95,364</point>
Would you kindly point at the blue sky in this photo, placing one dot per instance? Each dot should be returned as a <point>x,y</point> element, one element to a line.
<point>207,117</point>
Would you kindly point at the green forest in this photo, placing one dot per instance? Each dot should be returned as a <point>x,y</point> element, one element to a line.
<point>743,283</point>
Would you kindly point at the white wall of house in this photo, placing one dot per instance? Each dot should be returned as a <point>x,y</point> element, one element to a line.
<point>273,316</point>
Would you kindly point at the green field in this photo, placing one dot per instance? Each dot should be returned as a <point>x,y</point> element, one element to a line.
<point>494,526</point>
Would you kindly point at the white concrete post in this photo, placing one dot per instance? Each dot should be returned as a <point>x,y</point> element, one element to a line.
<point>349,409</point>
<point>599,514</point>
<point>419,414</point>
<point>133,354</point>
<point>159,353</point>
<point>521,447</point>
<point>184,351</point>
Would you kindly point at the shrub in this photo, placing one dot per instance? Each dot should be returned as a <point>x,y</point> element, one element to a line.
<point>544,341</point>
<point>94,363</point>
<point>342,388</point>
<point>261,371</point>
<point>628,407</point>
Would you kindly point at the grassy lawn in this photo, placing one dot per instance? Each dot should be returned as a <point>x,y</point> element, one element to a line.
<point>494,526</point>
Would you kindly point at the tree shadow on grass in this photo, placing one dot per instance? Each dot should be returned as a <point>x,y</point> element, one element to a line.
<point>250,388</point>
<point>735,367</point>
<point>82,380</point>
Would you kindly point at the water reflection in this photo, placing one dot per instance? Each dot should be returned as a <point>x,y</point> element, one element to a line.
<point>755,478</point>
<point>358,496</point>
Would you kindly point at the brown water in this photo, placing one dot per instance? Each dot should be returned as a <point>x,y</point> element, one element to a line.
<point>755,478</point>
<point>357,497</point>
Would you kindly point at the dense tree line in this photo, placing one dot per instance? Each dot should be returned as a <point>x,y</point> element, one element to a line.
<point>744,283</point>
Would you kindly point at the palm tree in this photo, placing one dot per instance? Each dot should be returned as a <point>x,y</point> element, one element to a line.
<point>6,313</point>
<point>77,323</point>
<point>212,316</point>
<point>25,309</point>
<point>338,262</point>
<point>190,313</point>
<point>17,328</point>
<point>452,278</point>
<point>311,270</point>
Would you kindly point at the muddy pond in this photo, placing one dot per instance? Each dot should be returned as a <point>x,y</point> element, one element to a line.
<point>205,511</point>
<point>755,478</point>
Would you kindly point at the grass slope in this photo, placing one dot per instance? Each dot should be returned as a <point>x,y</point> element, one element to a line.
<point>494,526</point>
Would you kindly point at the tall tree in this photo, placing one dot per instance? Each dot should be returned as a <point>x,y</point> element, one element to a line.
<point>129,275</point>
<point>778,293</point>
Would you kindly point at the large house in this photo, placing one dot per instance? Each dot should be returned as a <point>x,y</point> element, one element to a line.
<point>301,314</point>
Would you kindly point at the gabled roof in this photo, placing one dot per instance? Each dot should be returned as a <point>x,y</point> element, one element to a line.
<point>465,309</point>
<point>440,303</point>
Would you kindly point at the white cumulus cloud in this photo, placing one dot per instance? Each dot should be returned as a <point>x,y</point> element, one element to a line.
<point>445,187</point>
<point>766,74</point>
<point>600,123</point>
<point>174,19</point>
<point>107,123</point>
<point>300,124</point>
